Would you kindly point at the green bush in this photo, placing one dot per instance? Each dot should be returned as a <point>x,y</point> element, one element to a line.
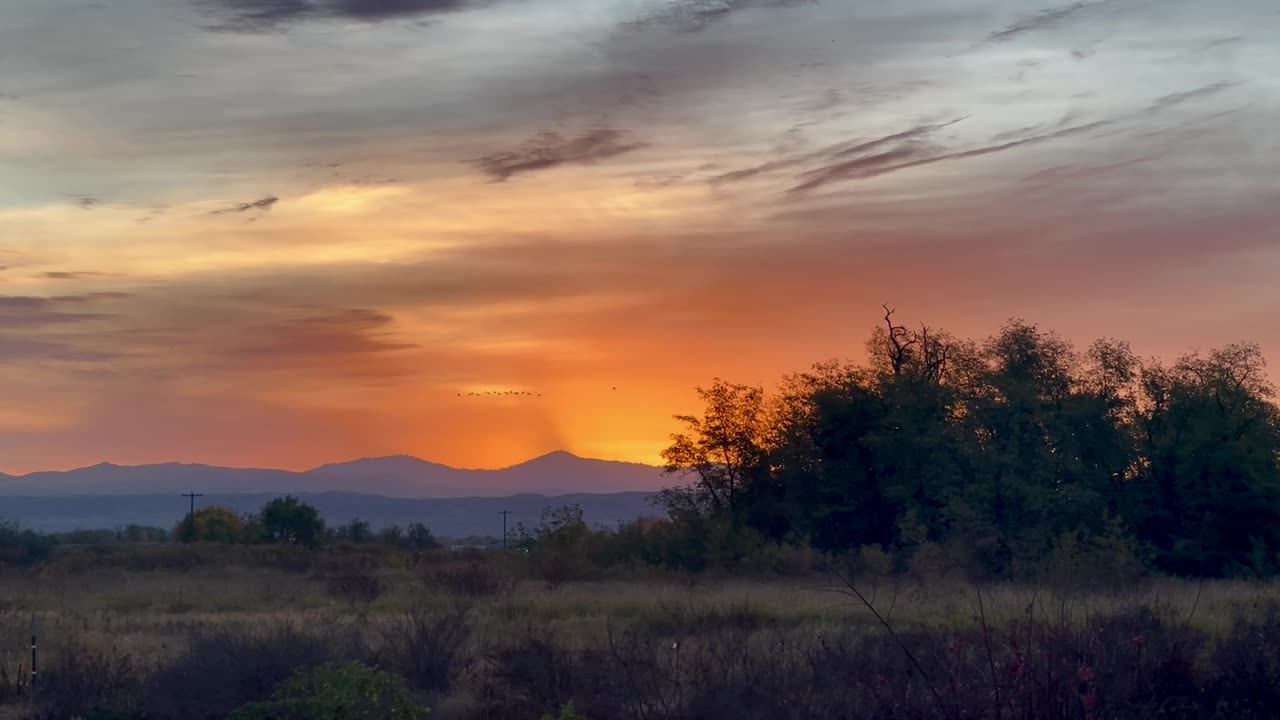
<point>337,691</point>
<point>23,547</point>
<point>566,713</point>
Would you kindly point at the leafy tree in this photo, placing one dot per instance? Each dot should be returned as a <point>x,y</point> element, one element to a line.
<point>288,520</point>
<point>19,546</point>
<point>724,452</point>
<point>356,532</point>
<point>1210,497</point>
<point>212,525</point>
<point>1011,453</point>
<point>420,537</point>
<point>142,534</point>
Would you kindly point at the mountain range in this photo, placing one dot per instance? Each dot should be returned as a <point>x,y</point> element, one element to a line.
<point>401,476</point>
<point>398,490</point>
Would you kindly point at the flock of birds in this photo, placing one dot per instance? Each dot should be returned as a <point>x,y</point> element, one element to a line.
<point>505,393</point>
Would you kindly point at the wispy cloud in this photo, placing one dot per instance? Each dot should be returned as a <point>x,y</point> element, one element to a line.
<point>72,275</point>
<point>698,15</point>
<point>1044,19</point>
<point>264,204</point>
<point>853,152</point>
<point>18,311</point>
<point>912,157</point>
<point>1172,99</point>
<point>257,15</point>
<point>550,150</point>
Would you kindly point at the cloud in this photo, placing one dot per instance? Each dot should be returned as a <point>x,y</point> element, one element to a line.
<point>1045,19</point>
<point>698,15</point>
<point>265,203</point>
<point>550,150</point>
<point>259,15</point>
<point>914,156</point>
<point>93,297</point>
<point>76,275</point>
<point>1172,99</point>
<point>21,348</point>
<point>339,340</point>
<point>18,311</point>
<point>861,149</point>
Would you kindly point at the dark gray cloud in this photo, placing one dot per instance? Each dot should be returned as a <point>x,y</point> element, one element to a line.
<point>550,150</point>
<point>1178,98</point>
<point>265,203</point>
<point>881,149</point>
<point>698,15</point>
<point>1044,19</point>
<point>258,15</point>
<point>918,154</point>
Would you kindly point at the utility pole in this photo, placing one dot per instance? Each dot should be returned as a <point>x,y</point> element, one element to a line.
<point>191,518</point>
<point>504,514</point>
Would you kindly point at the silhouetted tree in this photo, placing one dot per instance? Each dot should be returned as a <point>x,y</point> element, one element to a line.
<point>420,537</point>
<point>723,452</point>
<point>1210,500</point>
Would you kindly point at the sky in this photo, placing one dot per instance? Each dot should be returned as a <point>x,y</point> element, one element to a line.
<point>280,233</point>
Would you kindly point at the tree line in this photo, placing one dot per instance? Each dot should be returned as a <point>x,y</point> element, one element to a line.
<point>288,520</point>
<point>1001,455</point>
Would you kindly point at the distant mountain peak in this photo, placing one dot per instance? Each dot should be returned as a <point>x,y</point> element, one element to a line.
<point>555,473</point>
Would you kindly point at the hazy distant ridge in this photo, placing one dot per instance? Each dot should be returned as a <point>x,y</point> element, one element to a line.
<point>452,517</point>
<point>402,476</point>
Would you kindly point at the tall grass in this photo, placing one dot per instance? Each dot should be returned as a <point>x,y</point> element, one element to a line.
<point>482,637</point>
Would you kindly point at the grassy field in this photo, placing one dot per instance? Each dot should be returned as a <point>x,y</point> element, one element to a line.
<point>106,631</point>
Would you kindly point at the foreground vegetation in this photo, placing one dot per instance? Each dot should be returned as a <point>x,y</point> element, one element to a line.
<point>208,631</point>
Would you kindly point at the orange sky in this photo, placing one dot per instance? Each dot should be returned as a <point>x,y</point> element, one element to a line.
<point>235,234</point>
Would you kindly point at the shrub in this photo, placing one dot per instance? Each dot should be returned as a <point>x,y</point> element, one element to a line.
<point>426,648</point>
<point>336,691</point>
<point>23,547</point>
<point>91,684</point>
<point>356,587</point>
<point>566,713</point>
<point>224,669</point>
<point>212,525</point>
<point>472,580</point>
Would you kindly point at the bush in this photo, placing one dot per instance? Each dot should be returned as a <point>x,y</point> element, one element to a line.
<point>23,547</point>
<point>336,691</point>
<point>91,684</point>
<point>224,669</point>
<point>472,580</point>
<point>355,587</point>
<point>426,648</point>
<point>211,525</point>
<point>566,713</point>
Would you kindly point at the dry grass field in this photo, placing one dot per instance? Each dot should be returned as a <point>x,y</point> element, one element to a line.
<point>204,630</point>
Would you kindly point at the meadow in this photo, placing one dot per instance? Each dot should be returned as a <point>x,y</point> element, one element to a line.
<point>178,631</point>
